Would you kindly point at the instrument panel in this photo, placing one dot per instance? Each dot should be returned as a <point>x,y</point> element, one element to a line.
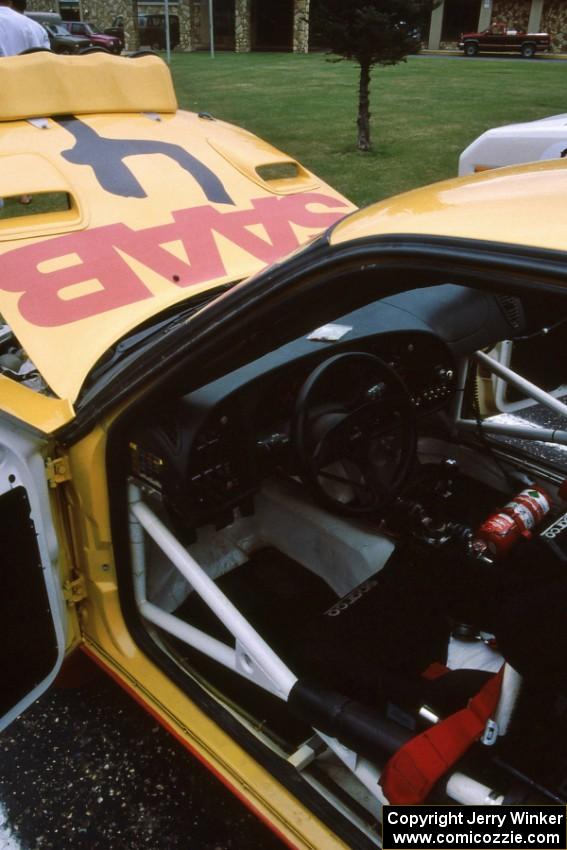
<point>214,449</point>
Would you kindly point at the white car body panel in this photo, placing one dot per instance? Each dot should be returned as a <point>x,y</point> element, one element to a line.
<point>516,143</point>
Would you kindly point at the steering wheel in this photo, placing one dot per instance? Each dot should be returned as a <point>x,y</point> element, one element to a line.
<point>354,432</point>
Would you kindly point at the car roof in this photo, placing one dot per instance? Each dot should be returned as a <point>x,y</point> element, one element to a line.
<point>516,205</point>
<point>164,205</point>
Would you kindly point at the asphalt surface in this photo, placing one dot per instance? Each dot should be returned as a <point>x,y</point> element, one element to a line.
<point>489,57</point>
<point>88,769</point>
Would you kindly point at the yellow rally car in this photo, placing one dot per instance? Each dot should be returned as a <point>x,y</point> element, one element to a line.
<point>309,512</point>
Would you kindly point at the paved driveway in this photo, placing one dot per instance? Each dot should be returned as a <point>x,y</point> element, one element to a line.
<point>88,769</point>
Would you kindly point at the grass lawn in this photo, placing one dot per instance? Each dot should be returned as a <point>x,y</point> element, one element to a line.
<point>424,111</point>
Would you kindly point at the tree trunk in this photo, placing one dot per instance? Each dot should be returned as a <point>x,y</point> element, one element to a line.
<point>363,120</point>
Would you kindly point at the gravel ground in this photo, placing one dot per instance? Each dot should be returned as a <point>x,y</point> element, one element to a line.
<point>87,768</point>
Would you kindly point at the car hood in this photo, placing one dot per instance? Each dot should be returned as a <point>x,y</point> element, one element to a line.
<point>164,205</point>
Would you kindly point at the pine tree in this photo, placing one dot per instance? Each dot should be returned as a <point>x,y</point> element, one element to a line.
<point>370,32</point>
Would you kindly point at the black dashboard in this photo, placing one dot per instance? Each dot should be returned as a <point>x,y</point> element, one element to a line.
<point>211,449</point>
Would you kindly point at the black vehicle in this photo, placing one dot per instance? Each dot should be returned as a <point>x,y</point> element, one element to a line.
<point>62,41</point>
<point>117,30</point>
<point>151,30</point>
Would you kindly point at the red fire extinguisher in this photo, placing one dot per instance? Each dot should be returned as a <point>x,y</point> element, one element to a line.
<point>500,531</point>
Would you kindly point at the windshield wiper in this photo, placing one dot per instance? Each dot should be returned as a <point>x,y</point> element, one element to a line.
<point>138,340</point>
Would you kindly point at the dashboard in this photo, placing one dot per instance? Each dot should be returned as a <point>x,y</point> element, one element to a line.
<point>210,450</point>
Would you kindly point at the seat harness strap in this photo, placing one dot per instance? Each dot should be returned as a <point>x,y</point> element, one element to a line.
<point>413,770</point>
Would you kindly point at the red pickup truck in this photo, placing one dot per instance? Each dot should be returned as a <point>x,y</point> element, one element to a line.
<point>500,39</point>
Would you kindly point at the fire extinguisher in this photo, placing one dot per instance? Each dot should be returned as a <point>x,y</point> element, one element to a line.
<point>501,530</point>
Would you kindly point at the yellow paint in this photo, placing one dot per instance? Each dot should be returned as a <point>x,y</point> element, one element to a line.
<point>42,84</point>
<point>111,96</point>
<point>248,153</point>
<point>522,205</point>
<point>43,413</point>
<point>31,174</point>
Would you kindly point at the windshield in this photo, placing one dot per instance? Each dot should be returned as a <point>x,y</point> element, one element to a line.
<point>57,29</point>
<point>95,29</point>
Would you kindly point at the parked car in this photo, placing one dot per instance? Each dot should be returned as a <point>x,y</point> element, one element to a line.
<point>300,502</point>
<point>501,39</point>
<point>62,41</point>
<point>151,30</point>
<point>545,138</point>
<point>95,34</point>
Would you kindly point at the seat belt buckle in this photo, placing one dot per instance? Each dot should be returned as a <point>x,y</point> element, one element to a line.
<point>490,734</point>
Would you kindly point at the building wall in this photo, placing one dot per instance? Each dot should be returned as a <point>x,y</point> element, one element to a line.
<point>193,15</point>
<point>514,13</point>
<point>155,8</point>
<point>301,26</point>
<point>184,11</point>
<point>554,21</point>
<point>242,39</point>
<point>43,6</point>
<point>193,20</point>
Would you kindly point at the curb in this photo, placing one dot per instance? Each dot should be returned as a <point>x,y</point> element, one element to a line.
<point>427,52</point>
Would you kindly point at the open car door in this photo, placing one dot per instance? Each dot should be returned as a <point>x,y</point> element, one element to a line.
<point>32,612</point>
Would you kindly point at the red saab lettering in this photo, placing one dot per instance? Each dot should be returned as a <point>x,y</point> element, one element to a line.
<point>41,303</point>
<point>47,299</point>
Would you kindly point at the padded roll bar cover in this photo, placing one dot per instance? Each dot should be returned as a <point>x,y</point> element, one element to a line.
<point>362,729</point>
<point>45,84</point>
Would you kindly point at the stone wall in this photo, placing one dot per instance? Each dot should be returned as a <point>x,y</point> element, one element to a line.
<point>192,23</point>
<point>514,13</point>
<point>101,12</point>
<point>554,21</point>
<point>130,24</point>
<point>43,6</point>
<point>242,26</point>
<point>301,26</point>
<point>155,8</point>
<point>184,11</point>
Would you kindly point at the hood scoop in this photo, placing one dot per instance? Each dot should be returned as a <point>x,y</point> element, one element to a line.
<point>264,165</point>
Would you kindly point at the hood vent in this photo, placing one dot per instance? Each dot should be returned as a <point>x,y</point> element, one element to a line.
<point>262,164</point>
<point>513,310</point>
